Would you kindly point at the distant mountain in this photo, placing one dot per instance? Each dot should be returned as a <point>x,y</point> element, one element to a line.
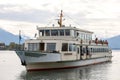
<point>8,37</point>
<point>114,42</point>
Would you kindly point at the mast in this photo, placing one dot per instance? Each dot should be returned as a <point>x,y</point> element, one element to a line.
<point>60,20</point>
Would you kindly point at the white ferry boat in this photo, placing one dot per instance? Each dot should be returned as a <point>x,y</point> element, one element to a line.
<point>63,47</point>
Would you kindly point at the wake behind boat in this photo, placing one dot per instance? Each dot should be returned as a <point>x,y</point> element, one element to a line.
<point>63,47</point>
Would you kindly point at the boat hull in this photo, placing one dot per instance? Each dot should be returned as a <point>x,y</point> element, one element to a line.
<point>40,61</point>
<point>65,64</point>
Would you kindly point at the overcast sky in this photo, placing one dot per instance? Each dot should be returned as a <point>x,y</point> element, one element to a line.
<point>100,16</point>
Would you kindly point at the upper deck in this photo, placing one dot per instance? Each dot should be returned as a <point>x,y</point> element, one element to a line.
<point>65,33</point>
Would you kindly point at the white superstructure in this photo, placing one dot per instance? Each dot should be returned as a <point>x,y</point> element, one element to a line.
<point>63,47</point>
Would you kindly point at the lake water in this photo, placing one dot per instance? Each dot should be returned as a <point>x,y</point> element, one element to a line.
<point>11,69</point>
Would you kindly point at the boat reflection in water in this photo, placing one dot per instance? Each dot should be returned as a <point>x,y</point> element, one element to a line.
<point>93,72</point>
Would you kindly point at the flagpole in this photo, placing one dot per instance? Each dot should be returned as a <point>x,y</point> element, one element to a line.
<point>19,38</point>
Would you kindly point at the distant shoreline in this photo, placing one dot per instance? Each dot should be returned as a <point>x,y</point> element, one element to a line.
<point>115,48</point>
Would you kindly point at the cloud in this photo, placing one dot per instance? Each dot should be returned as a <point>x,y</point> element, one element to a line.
<point>99,16</point>
<point>16,13</point>
<point>27,29</point>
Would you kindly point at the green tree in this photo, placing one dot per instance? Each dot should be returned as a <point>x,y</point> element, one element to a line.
<point>12,46</point>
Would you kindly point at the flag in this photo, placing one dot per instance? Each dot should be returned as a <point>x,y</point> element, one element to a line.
<point>20,37</point>
<point>19,47</point>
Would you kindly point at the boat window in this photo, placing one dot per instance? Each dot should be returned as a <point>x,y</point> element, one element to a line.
<point>54,32</point>
<point>72,47</point>
<point>51,46</point>
<point>82,36</point>
<point>101,49</point>
<point>41,32</point>
<point>47,32</point>
<point>72,33</point>
<point>78,50</point>
<point>93,50</point>
<point>87,50</point>
<point>29,47</point>
<point>67,32</point>
<point>33,46</point>
<point>89,37</point>
<point>81,50</point>
<point>96,50</point>
<point>61,32</point>
<point>64,46</point>
<point>106,50</point>
<point>84,50</point>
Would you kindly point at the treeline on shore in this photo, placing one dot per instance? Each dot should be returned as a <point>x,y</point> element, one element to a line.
<point>13,46</point>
